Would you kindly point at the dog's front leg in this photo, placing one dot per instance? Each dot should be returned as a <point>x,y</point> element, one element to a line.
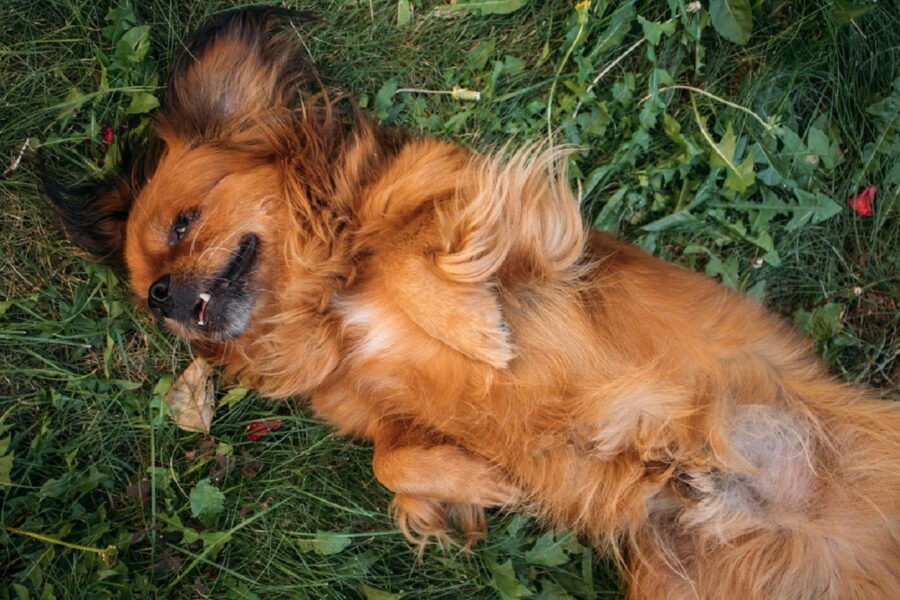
<point>436,483</point>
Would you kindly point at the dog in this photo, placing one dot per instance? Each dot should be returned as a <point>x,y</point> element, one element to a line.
<point>453,310</point>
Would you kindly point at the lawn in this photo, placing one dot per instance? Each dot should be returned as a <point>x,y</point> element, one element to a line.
<point>742,138</point>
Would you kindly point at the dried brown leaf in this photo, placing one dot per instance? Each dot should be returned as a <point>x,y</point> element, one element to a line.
<point>139,491</point>
<point>191,400</point>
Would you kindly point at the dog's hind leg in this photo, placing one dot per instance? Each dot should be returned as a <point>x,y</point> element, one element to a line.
<point>812,513</point>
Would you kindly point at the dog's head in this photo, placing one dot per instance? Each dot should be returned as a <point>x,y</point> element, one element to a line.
<point>235,190</point>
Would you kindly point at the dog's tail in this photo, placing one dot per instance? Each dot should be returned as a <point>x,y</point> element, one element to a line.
<point>517,213</point>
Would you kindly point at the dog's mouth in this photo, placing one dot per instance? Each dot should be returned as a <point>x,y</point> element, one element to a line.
<point>228,284</point>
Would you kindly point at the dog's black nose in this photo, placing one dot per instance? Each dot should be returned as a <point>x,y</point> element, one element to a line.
<point>158,296</point>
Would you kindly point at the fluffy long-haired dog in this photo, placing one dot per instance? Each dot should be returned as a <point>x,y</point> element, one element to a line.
<point>453,310</point>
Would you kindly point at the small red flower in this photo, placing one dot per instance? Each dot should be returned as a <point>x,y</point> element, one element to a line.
<point>257,429</point>
<point>862,202</point>
<point>106,134</point>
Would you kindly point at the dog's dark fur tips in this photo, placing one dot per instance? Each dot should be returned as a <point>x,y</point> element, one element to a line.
<point>93,215</point>
<point>242,64</point>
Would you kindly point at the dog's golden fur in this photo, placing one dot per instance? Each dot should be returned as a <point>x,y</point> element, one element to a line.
<point>453,310</point>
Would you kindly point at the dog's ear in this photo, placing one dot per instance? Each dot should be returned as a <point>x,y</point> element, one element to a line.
<point>93,216</point>
<point>240,65</point>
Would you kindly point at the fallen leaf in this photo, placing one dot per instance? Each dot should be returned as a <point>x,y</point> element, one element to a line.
<point>191,398</point>
<point>324,543</point>
<point>206,448</point>
<point>233,396</point>
<point>139,535</point>
<point>252,467</point>
<point>206,499</point>
<point>167,562</point>
<point>140,492</point>
<point>222,467</point>
<point>201,588</point>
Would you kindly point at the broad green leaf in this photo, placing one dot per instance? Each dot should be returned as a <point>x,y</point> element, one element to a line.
<point>215,540</point>
<point>485,7</point>
<point>818,143</point>
<point>550,590</point>
<point>815,207</point>
<point>653,31</point>
<point>234,395</point>
<point>206,499</point>
<point>384,99</point>
<point>6,463</point>
<point>141,102</point>
<point>121,19</point>
<point>133,46</point>
<point>74,483</point>
<point>357,565</point>
<point>623,90</point>
<point>325,543</point>
<point>73,102</point>
<point>610,215</point>
<point>793,145</point>
<point>823,323</point>
<point>727,270</point>
<point>742,177</point>
<point>506,582</point>
<point>404,13</point>
<point>548,550</point>
<point>758,291</point>
<point>845,11</point>
<point>477,57</point>
<point>21,591</point>
<point>732,19</point>
<point>619,23</point>
<point>375,594</point>
<point>676,219</point>
<point>723,153</point>
<point>126,385</point>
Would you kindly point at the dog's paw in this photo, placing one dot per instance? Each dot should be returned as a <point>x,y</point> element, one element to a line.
<point>492,488</point>
<point>427,520</point>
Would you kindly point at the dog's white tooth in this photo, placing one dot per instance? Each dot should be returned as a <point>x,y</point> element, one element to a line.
<point>204,297</point>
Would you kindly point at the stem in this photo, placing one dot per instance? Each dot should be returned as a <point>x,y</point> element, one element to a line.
<point>421,91</point>
<point>153,514</point>
<point>708,138</point>
<point>581,8</point>
<point>108,553</point>
<point>768,127</point>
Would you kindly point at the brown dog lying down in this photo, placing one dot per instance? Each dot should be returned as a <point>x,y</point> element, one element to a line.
<point>454,310</point>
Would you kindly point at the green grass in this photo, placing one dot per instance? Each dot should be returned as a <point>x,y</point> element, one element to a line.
<point>91,461</point>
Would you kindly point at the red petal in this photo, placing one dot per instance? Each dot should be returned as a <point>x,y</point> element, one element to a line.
<point>106,134</point>
<point>862,202</point>
<point>257,429</point>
